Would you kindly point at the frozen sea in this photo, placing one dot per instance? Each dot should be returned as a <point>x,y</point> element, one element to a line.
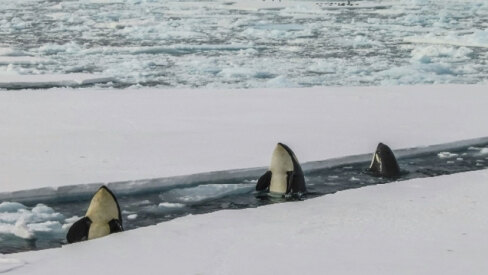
<point>247,43</point>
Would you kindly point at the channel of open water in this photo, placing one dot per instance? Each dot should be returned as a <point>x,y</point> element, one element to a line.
<point>156,206</point>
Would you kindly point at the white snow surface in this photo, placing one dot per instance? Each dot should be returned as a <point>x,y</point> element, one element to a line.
<point>64,137</point>
<point>422,226</point>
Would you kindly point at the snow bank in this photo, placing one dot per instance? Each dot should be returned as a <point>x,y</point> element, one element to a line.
<point>7,265</point>
<point>68,137</point>
<point>423,226</point>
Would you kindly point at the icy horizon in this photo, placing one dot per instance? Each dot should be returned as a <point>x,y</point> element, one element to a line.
<point>246,44</point>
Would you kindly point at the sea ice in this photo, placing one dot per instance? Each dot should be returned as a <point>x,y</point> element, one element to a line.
<point>142,43</point>
<point>447,155</point>
<point>25,223</point>
<point>49,81</point>
<point>203,192</point>
<point>484,151</point>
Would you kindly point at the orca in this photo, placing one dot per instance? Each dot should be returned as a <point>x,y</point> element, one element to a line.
<point>384,163</point>
<point>285,175</point>
<point>103,217</point>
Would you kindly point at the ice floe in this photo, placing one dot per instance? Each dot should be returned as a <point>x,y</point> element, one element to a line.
<point>164,43</point>
<point>447,155</point>
<point>27,223</point>
<point>476,38</point>
<point>24,60</point>
<point>202,193</point>
<point>51,80</point>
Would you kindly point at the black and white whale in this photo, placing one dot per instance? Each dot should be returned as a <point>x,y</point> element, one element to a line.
<point>384,163</point>
<point>103,217</point>
<point>285,175</point>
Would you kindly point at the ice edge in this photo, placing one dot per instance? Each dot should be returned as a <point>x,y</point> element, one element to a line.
<point>66,193</point>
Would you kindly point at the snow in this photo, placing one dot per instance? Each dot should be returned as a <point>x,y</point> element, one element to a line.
<point>61,137</point>
<point>423,226</point>
<point>7,265</point>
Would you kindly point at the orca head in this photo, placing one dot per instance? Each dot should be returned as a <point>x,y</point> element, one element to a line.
<point>286,174</point>
<point>104,207</point>
<point>282,160</point>
<point>102,218</point>
<point>384,162</point>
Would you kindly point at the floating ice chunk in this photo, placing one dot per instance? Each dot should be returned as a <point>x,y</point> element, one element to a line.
<point>171,205</point>
<point>479,38</point>
<point>132,216</point>
<point>426,54</point>
<point>205,192</point>
<point>281,82</point>
<point>48,226</point>
<point>324,67</point>
<point>25,223</point>
<point>12,52</point>
<point>42,212</point>
<point>51,49</point>
<point>18,24</point>
<point>484,151</point>
<point>446,155</point>
<point>5,51</point>
<point>426,73</point>
<point>22,231</point>
<point>9,207</point>
<point>49,81</point>
<point>22,60</point>
<point>164,207</point>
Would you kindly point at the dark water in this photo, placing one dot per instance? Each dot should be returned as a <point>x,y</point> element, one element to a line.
<point>205,197</point>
